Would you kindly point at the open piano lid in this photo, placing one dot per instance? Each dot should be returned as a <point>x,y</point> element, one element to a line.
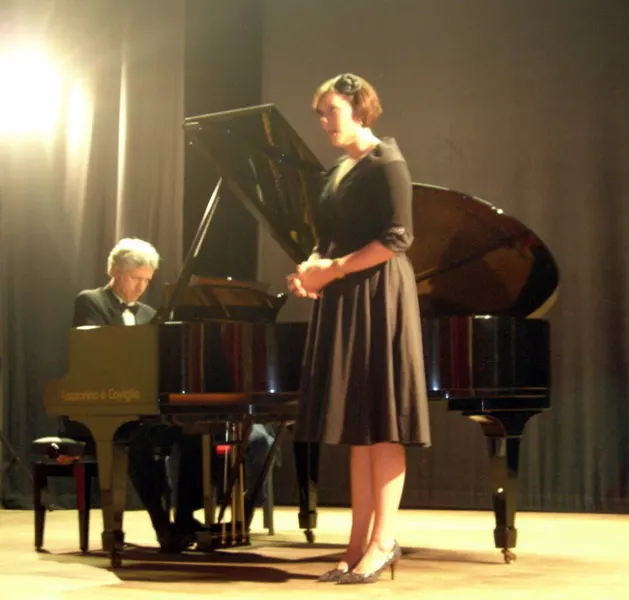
<point>267,166</point>
<point>469,257</point>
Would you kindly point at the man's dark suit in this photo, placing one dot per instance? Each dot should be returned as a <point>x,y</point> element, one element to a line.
<point>101,307</point>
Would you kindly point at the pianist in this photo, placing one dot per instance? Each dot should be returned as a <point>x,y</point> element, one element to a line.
<point>130,266</point>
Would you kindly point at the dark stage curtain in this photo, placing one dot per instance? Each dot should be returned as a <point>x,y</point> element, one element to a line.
<point>110,166</point>
<point>522,103</point>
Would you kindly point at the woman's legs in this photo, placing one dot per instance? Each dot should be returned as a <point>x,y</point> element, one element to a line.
<point>388,470</point>
<point>362,505</point>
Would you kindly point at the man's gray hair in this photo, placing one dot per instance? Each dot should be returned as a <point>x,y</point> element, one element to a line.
<point>132,252</point>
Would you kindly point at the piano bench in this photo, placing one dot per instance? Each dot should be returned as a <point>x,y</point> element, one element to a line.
<point>62,457</point>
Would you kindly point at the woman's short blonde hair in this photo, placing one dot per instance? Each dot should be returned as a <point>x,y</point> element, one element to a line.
<point>359,91</point>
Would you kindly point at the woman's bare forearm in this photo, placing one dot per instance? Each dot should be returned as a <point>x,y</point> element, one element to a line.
<point>368,256</point>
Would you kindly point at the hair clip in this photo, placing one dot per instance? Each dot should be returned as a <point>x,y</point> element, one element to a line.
<point>347,84</point>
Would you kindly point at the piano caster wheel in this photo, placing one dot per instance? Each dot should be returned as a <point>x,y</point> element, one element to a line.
<point>509,556</point>
<point>310,537</point>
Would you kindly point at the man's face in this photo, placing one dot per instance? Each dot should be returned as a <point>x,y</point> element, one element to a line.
<point>132,283</point>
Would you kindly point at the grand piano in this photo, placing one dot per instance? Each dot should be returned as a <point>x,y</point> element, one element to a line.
<point>217,354</point>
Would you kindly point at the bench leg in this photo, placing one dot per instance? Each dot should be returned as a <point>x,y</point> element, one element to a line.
<point>39,485</point>
<point>83,497</point>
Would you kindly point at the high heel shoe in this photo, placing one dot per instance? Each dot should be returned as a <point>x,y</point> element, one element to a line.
<point>332,576</point>
<point>390,561</point>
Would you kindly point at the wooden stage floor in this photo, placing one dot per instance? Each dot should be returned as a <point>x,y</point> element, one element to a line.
<point>448,555</point>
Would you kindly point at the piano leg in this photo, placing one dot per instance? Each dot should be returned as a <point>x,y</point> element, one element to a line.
<point>112,475</point>
<point>112,478</point>
<point>307,467</point>
<point>503,431</point>
<point>504,456</point>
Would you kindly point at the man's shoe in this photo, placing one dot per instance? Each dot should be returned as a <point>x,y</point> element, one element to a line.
<point>188,526</point>
<point>175,541</point>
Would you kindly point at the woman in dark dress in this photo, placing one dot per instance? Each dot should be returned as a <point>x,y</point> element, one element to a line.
<point>363,380</point>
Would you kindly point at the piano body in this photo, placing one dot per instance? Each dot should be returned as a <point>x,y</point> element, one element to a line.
<point>216,353</point>
<point>207,377</point>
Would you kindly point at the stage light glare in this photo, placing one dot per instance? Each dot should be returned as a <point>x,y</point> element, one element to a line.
<point>78,111</point>
<point>31,92</point>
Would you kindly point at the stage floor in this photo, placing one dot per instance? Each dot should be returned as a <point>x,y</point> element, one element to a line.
<point>448,555</point>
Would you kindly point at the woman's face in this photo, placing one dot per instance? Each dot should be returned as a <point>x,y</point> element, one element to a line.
<point>336,116</point>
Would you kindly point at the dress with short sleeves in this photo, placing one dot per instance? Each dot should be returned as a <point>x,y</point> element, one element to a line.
<point>363,379</point>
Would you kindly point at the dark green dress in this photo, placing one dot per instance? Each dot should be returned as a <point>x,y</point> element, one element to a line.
<point>363,379</point>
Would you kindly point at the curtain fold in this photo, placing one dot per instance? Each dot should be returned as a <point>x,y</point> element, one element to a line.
<point>521,103</point>
<point>112,166</point>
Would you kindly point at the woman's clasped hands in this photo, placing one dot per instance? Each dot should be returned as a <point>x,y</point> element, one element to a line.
<point>311,277</point>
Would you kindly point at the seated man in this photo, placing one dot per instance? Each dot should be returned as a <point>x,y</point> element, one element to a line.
<point>131,265</point>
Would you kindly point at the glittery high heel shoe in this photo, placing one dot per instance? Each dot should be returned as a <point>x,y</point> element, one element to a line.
<point>332,576</point>
<point>390,561</point>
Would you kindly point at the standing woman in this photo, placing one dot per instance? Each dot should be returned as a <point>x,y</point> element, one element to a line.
<point>363,379</point>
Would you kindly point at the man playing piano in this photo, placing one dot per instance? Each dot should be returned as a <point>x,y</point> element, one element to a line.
<point>131,266</point>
